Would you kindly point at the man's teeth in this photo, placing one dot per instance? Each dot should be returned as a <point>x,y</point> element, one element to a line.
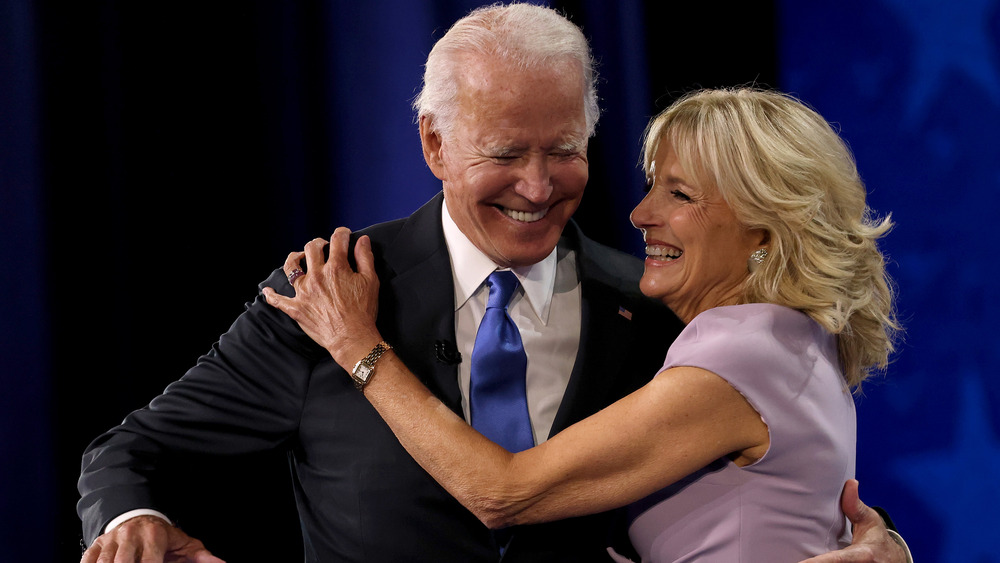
<point>663,252</point>
<point>524,216</point>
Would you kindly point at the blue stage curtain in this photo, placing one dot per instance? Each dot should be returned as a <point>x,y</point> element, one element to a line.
<point>26,444</point>
<point>915,89</point>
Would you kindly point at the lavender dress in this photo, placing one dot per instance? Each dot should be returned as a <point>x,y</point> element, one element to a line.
<point>786,506</point>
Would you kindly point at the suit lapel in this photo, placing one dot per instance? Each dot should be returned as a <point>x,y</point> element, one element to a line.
<point>417,301</point>
<point>604,334</point>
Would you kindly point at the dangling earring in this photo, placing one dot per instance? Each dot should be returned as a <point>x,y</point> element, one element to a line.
<point>756,259</point>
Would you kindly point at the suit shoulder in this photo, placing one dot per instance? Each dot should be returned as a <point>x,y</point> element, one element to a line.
<point>383,232</point>
<point>614,262</point>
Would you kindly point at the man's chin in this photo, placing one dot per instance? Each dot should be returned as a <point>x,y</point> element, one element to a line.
<point>524,246</point>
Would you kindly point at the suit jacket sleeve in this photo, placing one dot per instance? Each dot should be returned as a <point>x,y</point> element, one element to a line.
<point>242,397</point>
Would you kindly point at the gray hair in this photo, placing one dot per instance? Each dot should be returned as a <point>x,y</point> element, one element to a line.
<point>523,35</point>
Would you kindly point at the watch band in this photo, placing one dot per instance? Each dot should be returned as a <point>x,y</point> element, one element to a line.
<point>369,365</point>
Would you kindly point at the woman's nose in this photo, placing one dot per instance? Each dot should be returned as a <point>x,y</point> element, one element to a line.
<point>640,216</point>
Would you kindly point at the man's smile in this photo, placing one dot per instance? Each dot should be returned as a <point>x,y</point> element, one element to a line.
<point>523,216</point>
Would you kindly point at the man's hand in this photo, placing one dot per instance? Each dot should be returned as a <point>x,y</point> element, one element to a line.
<point>147,539</point>
<point>872,543</point>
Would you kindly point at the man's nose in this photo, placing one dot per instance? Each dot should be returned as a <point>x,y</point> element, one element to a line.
<point>535,183</point>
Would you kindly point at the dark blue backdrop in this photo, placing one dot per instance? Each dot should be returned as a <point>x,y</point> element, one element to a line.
<point>155,163</point>
<point>915,88</point>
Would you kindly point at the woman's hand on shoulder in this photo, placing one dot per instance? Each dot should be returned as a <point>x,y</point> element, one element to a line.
<point>334,304</point>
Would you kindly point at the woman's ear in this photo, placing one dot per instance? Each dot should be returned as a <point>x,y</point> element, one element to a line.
<point>430,141</point>
<point>765,237</point>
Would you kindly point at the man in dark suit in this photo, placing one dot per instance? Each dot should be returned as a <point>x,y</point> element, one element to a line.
<point>267,385</point>
<point>507,108</point>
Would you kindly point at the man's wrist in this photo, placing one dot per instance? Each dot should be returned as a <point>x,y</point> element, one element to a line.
<point>135,514</point>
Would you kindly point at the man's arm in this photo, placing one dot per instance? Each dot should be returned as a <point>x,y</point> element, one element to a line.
<point>873,541</point>
<point>238,399</point>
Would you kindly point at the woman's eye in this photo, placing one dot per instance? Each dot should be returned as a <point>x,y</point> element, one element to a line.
<point>680,195</point>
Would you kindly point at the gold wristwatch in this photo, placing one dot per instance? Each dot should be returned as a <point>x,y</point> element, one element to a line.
<point>364,369</point>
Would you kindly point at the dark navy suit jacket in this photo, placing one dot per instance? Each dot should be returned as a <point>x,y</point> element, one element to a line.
<point>265,385</point>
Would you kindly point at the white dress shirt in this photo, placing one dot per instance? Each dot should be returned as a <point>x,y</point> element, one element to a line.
<point>546,309</point>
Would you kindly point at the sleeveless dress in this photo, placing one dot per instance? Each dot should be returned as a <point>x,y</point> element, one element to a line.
<point>786,506</point>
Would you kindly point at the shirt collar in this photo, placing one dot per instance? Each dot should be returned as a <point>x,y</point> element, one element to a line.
<point>538,280</point>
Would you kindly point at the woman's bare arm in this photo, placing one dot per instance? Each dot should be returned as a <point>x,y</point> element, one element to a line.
<point>678,423</point>
<point>681,421</point>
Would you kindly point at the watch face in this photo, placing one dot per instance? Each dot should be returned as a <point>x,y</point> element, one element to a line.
<point>362,372</point>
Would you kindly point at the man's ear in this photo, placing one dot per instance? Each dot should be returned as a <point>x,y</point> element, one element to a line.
<point>430,141</point>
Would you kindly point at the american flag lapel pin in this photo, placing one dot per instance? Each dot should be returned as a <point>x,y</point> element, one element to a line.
<point>625,313</point>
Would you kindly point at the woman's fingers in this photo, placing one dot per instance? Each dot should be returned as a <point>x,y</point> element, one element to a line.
<point>340,243</point>
<point>293,266</point>
<point>364,258</point>
<point>314,254</point>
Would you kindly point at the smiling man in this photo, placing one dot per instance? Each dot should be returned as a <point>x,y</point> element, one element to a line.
<point>507,108</point>
<point>513,172</point>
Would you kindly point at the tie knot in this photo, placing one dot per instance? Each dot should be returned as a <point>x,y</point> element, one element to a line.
<point>502,286</point>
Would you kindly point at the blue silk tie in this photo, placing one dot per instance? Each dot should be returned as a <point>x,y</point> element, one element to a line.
<point>498,403</point>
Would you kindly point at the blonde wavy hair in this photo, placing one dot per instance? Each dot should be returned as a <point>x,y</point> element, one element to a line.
<point>782,168</point>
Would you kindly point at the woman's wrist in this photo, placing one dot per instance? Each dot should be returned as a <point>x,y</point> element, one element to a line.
<point>349,352</point>
<point>363,371</point>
